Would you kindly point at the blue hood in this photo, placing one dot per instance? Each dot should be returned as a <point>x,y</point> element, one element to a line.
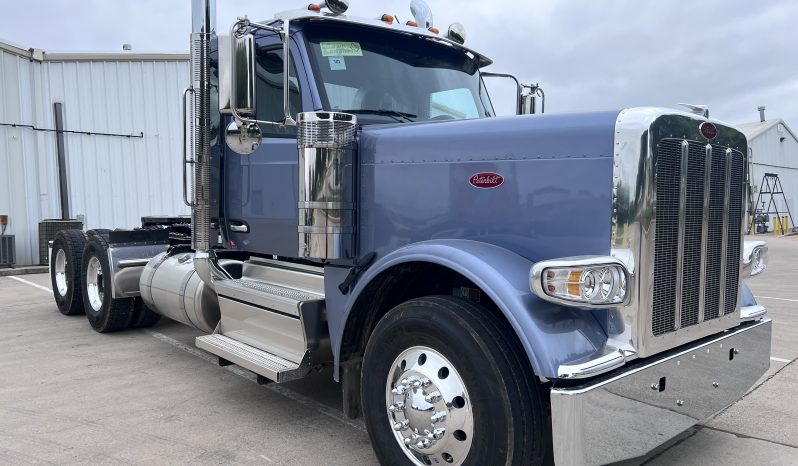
<point>554,201</point>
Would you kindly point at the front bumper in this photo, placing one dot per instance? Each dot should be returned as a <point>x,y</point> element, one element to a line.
<point>626,415</point>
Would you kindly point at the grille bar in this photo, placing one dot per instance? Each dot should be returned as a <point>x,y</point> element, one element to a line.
<point>699,194</point>
<point>702,293</point>
<point>683,163</point>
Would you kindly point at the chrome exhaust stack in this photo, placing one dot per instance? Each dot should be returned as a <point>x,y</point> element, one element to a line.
<point>203,29</point>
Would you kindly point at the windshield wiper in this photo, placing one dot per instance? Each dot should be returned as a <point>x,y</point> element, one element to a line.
<point>396,115</point>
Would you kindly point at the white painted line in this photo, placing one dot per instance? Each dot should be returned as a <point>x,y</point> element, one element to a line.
<point>22,280</point>
<point>780,360</point>
<point>277,388</point>
<point>267,458</point>
<point>777,299</point>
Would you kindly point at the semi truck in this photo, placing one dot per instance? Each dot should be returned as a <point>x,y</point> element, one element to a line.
<point>487,289</point>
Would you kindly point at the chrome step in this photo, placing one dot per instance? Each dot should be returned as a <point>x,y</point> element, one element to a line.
<point>265,294</point>
<point>258,361</point>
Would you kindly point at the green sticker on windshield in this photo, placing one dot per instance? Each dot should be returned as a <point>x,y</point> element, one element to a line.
<point>341,49</point>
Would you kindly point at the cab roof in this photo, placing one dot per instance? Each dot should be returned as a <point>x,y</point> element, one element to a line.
<point>307,16</point>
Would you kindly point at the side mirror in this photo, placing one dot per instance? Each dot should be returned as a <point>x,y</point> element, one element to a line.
<point>237,62</point>
<point>237,91</point>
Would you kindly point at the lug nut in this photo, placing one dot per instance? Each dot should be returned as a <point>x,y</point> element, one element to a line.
<point>423,444</point>
<point>438,417</point>
<point>402,425</point>
<point>433,397</point>
<point>400,390</point>
<point>438,433</point>
<point>396,407</point>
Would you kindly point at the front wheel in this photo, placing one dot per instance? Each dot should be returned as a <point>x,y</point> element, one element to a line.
<point>444,382</point>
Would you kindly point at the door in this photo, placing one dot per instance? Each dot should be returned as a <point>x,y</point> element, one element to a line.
<point>261,188</point>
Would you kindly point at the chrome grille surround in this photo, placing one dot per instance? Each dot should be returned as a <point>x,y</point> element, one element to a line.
<point>663,190</point>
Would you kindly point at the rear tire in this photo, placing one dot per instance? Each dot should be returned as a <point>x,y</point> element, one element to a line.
<point>419,357</point>
<point>143,316</point>
<point>65,271</point>
<point>105,314</point>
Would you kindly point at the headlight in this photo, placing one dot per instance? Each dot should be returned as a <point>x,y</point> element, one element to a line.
<point>755,258</point>
<point>581,281</point>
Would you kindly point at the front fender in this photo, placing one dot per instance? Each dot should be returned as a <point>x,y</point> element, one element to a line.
<point>550,334</point>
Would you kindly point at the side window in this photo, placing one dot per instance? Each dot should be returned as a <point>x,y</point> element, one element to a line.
<point>454,103</point>
<point>269,87</point>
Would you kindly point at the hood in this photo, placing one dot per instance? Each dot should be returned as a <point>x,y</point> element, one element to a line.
<point>539,185</point>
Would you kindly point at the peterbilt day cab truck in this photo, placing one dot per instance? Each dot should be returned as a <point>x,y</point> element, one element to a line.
<point>489,290</point>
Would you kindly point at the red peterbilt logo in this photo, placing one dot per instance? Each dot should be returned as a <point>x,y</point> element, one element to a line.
<point>486,180</point>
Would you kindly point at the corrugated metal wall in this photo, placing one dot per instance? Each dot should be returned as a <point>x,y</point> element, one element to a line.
<point>769,154</point>
<point>113,180</point>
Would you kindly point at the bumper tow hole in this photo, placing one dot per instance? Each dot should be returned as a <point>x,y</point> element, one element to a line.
<point>731,354</point>
<point>661,384</point>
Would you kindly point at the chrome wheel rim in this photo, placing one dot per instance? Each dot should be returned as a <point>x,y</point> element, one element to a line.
<point>95,285</point>
<point>428,407</point>
<point>60,273</point>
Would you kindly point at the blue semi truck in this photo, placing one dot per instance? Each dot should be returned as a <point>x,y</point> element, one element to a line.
<point>489,290</point>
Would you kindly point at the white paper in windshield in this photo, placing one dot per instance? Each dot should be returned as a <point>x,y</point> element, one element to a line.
<point>341,49</point>
<point>337,63</point>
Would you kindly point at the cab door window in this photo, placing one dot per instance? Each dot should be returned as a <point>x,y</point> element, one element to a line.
<point>269,89</point>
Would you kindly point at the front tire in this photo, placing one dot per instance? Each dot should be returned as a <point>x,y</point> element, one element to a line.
<point>444,382</point>
<point>65,271</point>
<point>105,314</point>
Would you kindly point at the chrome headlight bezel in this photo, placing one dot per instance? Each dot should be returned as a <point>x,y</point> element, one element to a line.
<point>603,281</point>
<point>755,258</point>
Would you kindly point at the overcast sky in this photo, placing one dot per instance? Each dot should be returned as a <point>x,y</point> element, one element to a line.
<point>732,55</point>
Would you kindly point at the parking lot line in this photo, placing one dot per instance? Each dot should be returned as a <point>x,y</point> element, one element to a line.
<point>780,360</point>
<point>777,299</point>
<point>22,280</point>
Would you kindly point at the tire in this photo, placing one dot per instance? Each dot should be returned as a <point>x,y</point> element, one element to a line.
<point>509,418</point>
<point>65,271</point>
<point>143,316</point>
<point>103,232</point>
<point>105,314</point>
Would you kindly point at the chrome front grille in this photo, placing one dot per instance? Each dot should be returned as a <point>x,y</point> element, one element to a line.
<point>696,268</point>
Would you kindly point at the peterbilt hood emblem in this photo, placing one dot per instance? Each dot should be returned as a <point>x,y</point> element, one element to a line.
<point>708,130</point>
<point>486,180</point>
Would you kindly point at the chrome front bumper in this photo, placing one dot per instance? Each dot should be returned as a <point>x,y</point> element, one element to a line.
<point>626,415</point>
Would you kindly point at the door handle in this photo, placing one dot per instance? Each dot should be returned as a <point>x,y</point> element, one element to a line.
<point>239,227</point>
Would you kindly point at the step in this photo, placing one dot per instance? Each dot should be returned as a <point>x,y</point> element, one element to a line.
<point>287,274</point>
<point>267,295</point>
<point>258,361</point>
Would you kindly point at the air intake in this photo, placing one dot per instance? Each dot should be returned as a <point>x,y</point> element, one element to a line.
<point>327,152</point>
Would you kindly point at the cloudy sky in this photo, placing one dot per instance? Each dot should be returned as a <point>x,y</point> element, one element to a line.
<point>732,55</point>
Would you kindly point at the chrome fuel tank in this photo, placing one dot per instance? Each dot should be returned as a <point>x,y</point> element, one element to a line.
<point>171,287</point>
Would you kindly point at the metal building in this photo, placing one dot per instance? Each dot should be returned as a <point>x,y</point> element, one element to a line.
<point>120,113</point>
<point>774,149</point>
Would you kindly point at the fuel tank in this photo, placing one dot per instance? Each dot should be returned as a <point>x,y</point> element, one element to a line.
<point>170,286</point>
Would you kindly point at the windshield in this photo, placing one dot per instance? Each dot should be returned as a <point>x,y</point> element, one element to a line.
<point>382,76</point>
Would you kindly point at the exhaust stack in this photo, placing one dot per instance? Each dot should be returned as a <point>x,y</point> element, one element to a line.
<point>203,28</point>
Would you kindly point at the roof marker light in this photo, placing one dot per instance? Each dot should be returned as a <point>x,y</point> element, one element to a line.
<point>386,18</point>
<point>411,23</point>
<point>434,30</point>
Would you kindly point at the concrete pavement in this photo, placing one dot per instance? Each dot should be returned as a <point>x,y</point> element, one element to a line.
<point>69,395</point>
